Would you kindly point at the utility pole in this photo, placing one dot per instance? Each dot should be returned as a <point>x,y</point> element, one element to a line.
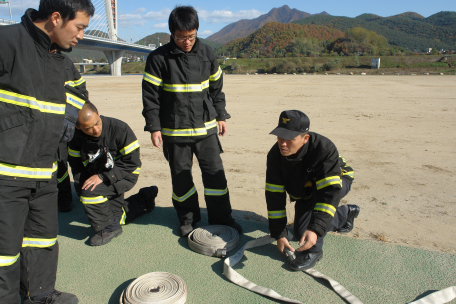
<point>9,6</point>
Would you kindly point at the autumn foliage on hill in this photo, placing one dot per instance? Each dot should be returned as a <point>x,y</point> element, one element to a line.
<point>274,38</point>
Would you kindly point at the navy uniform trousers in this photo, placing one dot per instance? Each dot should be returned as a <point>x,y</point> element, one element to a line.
<point>185,196</point>
<point>28,240</point>
<point>303,213</point>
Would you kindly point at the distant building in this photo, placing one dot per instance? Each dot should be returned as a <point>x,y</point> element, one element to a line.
<point>428,50</point>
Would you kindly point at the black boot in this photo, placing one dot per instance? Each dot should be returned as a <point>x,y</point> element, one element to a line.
<point>148,194</point>
<point>353,212</point>
<point>54,297</point>
<point>105,235</point>
<point>305,260</point>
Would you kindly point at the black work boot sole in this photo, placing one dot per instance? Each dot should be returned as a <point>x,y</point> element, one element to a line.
<point>104,238</point>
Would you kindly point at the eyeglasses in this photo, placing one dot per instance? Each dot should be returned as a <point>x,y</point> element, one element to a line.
<point>186,38</point>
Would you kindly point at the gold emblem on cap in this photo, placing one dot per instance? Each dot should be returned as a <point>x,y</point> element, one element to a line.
<point>285,120</point>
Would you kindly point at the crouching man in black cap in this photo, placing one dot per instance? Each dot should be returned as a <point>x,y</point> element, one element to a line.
<point>104,159</point>
<point>308,167</point>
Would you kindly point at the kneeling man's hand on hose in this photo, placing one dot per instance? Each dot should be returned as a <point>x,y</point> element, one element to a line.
<point>94,181</point>
<point>310,239</point>
<point>282,243</point>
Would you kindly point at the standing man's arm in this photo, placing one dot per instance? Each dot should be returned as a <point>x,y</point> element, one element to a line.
<point>152,89</point>
<point>276,200</point>
<point>79,82</point>
<point>217,96</point>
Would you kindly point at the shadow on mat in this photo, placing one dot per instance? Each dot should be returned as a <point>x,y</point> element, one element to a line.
<point>114,299</point>
<point>424,294</point>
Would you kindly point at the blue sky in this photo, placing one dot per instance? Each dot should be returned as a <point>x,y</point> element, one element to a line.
<point>147,16</point>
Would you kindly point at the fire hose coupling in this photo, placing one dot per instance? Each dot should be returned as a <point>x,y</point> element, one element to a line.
<point>290,254</point>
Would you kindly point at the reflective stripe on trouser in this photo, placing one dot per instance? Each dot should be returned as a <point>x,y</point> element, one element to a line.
<point>31,226</point>
<point>103,203</point>
<point>303,213</point>
<point>180,157</point>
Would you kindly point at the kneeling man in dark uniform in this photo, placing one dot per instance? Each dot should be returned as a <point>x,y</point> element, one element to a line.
<point>104,159</point>
<point>308,167</point>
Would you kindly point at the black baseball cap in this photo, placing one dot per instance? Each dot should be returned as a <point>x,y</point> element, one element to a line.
<point>291,124</point>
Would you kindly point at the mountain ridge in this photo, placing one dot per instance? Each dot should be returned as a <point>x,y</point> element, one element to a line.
<point>245,27</point>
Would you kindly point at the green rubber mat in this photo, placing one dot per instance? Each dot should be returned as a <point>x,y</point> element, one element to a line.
<point>374,272</point>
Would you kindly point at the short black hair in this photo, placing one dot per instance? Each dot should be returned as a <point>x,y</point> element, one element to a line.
<point>66,8</point>
<point>183,18</point>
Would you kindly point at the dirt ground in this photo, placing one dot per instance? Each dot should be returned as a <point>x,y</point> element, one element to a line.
<point>397,132</point>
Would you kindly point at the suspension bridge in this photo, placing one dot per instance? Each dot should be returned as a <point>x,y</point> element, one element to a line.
<point>109,31</point>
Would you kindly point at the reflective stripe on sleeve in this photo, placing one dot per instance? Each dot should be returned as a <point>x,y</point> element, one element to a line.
<point>331,210</point>
<point>137,170</point>
<point>31,102</point>
<point>18,171</point>
<point>185,196</point>
<point>130,148</point>
<point>186,88</point>
<point>74,153</point>
<point>350,173</point>
<point>216,76</point>
<point>59,180</point>
<point>75,83</point>
<point>93,200</point>
<point>39,243</point>
<point>75,101</point>
<point>190,132</point>
<point>85,163</point>
<point>215,192</point>
<point>328,181</point>
<point>275,188</point>
<point>6,260</point>
<point>153,80</point>
<point>277,214</point>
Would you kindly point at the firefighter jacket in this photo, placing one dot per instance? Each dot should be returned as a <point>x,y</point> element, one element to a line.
<point>114,155</point>
<point>313,177</point>
<point>33,74</point>
<point>182,92</point>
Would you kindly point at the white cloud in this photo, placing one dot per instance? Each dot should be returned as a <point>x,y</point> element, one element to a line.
<point>228,16</point>
<point>205,33</point>
<point>160,26</point>
<point>161,15</point>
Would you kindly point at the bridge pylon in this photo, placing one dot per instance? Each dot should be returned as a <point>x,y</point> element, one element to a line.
<point>114,57</point>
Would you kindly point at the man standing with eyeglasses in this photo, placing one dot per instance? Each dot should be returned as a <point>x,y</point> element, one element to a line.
<point>183,105</point>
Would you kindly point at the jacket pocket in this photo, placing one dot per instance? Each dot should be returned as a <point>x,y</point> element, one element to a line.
<point>209,110</point>
<point>14,135</point>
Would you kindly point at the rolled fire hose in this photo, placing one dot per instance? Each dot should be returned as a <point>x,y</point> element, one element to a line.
<point>438,297</point>
<point>155,287</point>
<point>213,240</point>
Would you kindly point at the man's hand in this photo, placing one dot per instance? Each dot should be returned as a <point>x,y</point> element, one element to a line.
<point>222,128</point>
<point>282,243</point>
<point>310,239</point>
<point>92,181</point>
<point>156,138</point>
